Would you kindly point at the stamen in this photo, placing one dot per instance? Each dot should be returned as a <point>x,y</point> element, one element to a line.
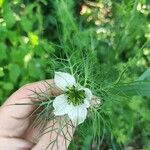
<point>75,96</point>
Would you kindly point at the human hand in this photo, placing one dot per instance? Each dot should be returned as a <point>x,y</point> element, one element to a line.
<point>15,123</point>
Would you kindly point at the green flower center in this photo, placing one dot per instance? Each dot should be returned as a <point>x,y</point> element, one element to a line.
<point>75,96</point>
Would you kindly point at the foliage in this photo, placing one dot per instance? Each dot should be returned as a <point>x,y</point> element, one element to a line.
<point>105,44</point>
<point>24,52</point>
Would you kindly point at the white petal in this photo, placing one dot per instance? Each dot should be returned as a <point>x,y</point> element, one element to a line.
<point>88,93</point>
<point>60,105</point>
<point>77,114</point>
<point>63,80</point>
<point>86,103</point>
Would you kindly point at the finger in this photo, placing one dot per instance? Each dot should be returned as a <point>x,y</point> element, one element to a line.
<point>14,144</point>
<point>56,136</point>
<point>25,95</point>
<point>13,118</point>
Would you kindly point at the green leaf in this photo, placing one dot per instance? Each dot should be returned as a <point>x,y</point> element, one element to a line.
<point>1,3</point>
<point>39,50</point>
<point>145,114</point>
<point>26,24</point>
<point>3,32</point>
<point>87,142</point>
<point>135,103</point>
<point>8,14</point>
<point>17,56</point>
<point>132,89</point>
<point>3,54</point>
<point>13,37</point>
<point>44,2</point>
<point>14,72</point>
<point>145,76</point>
<point>1,72</point>
<point>34,69</point>
<point>8,86</point>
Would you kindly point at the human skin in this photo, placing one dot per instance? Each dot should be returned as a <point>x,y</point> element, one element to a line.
<point>15,123</point>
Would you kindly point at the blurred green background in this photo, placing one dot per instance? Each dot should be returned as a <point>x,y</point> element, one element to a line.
<point>121,30</point>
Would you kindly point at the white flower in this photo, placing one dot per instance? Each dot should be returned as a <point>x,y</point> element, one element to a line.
<point>74,101</point>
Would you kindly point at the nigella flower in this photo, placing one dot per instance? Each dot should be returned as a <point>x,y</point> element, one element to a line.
<point>75,99</point>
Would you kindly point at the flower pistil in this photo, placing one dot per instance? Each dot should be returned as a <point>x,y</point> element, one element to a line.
<point>75,96</point>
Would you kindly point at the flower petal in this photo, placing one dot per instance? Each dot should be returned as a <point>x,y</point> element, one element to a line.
<point>77,114</point>
<point>88,93</point>
<point>86,103</point>
<point>63,80</point>
<point>60,105</point>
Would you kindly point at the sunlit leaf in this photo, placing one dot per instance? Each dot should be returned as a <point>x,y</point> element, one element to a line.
<point>1,3</point>
<point>1,72</point>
